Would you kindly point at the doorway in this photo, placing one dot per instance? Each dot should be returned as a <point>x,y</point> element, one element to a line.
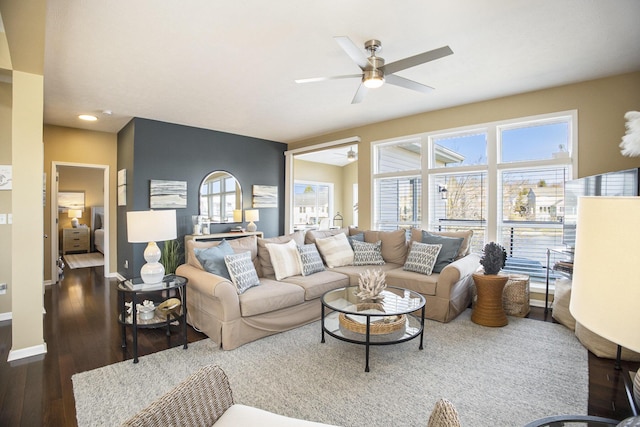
<point>333,165</point>
<point>99,196</point>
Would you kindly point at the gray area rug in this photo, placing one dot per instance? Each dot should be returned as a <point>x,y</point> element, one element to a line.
<point>93,259</point>
<point>495,376</point>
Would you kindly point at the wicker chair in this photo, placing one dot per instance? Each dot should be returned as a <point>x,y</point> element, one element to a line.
<point>198,401</point>
<point>206,395</point>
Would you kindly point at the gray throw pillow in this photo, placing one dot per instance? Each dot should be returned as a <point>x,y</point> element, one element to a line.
<point>356,237</point>
<point>212,259</point>
<point>310,259</point>
<point>367,253</point>
<point>449,251</point>
<point>242,271</point>
<point>422,257</point>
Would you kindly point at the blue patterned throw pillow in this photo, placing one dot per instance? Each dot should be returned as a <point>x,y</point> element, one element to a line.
<point>310,259</point>
<point>422,257</point>
<point>367,253</point>
<point>242,271</point>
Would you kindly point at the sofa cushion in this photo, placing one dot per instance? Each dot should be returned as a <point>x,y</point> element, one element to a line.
<point>317,284</point>
<point>422,257</point>
<point>242,244</point>
<point>312,235</point>
<point>426,285</point>
<point>263,252</point>
<point>212,259</point>
<point>242,271</point>
<point>310,259</point>
<point>335,250</point>
<point>284,258</point>
<point>465,247</point>
<point>367,253</point>
<point>449,251</point>
<point>353,271</point>
<point>270,296</point>
<point>394,244</point>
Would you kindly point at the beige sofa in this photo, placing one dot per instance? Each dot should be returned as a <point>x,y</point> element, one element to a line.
<point>231,320</point>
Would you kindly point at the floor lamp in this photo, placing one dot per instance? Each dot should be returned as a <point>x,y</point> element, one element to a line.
<point>605,295</point>
<point>151,227</point>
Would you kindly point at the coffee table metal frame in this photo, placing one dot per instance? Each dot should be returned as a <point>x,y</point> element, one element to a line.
<point>397,301</point>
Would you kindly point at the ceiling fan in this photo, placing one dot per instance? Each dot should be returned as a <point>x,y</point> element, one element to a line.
<point>374,71</point>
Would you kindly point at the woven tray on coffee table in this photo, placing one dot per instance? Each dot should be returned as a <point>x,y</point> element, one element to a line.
<point>387,325</point>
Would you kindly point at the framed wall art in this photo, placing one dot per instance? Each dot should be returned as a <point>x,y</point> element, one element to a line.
<point>70,200</point>
<point>168,194</point>
<point>265,196</point>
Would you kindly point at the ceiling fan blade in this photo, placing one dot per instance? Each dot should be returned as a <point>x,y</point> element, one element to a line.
<point>392,79</point>
<point>360,93</point>
<point>322,79</point>
<point>421,58</point>
<point>354,52</point>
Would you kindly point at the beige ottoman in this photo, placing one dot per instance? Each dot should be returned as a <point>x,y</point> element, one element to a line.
<point>602,347</point>
<point>515,297</point>
<point>560,306</point>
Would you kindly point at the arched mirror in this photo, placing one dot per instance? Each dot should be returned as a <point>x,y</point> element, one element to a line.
<point>220,195</point>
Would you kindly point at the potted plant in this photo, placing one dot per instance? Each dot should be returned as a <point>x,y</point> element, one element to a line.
<point>488,310</point>
<point>493,258</point>
<point>171,256</point>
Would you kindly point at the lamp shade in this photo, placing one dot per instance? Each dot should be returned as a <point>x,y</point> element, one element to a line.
<point>252,215</point>
<point>74,213</point>
<point>237,215</point>
<point>151,226</point>
<point>605,295</point>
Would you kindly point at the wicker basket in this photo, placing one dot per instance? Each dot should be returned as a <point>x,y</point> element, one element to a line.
<point>391,325</point>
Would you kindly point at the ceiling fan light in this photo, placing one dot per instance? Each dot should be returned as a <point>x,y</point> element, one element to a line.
<point>373,79</point>
<point>351,155</point>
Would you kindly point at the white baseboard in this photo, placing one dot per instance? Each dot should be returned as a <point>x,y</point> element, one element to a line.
<point>23,353</point>
<point>5,316</point>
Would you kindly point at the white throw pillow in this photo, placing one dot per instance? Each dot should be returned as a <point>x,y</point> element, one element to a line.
<point>335,250</point>
<point>284,258</point>
<point>422,257</point>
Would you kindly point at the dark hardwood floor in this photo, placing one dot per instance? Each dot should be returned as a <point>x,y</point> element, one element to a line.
<point>82,333</point>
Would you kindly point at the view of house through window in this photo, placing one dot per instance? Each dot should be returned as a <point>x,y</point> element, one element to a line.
<point>312,207</point>
<point>503,180</point>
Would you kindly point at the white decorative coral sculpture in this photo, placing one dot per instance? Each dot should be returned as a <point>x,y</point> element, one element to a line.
<point>371,283</point>
<point>630,145</point>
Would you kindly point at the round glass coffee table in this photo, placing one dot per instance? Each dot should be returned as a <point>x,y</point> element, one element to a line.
<point>385,321</point>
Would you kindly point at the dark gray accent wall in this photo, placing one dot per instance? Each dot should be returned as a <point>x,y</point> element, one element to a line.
<point>165,151</point>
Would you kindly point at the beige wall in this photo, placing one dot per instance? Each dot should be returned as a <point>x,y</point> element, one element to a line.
<point>601,105</point>
<point>81,147</point>
<point>5,198</point>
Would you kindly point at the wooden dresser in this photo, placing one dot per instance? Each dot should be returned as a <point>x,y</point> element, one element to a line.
<point>76,239</point>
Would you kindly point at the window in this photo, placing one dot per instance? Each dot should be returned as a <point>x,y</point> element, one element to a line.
<point>312,206</point>
<point>504,180</point>
<point>218,198</point>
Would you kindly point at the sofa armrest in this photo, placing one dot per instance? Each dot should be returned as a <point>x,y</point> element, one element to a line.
<point>208,286</point>
<point>456,272</point>
<point>199,400</point>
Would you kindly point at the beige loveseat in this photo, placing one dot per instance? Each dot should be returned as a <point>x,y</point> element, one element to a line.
<point>231,319</point>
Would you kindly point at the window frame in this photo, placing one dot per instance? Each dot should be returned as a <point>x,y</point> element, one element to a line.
<point>494,168</point>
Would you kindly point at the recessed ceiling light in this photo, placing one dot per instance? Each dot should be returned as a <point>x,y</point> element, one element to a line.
<point>87,117</point>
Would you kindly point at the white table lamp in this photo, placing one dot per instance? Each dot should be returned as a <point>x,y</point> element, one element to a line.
<point>151,227</point>
<point>252,215</point>
<point>605,295</point>
<point>74,214</point>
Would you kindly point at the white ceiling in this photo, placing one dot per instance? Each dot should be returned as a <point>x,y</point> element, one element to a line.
<point>231,65</point>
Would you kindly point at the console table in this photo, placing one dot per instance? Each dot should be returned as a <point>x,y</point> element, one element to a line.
<point>218,236</point>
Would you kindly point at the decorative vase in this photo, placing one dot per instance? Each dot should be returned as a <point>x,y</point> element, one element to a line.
<point>488,310</point>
